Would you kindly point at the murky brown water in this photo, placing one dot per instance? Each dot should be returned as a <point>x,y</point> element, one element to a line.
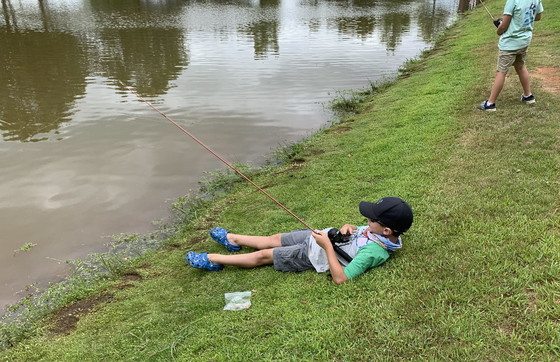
<point>82,159</point>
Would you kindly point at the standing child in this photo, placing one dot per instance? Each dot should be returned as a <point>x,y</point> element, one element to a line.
<point>515,30</point>
<point>300,250</point>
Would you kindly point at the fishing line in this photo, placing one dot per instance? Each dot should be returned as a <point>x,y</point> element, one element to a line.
<point>216,155</point>
<point>488,11</point>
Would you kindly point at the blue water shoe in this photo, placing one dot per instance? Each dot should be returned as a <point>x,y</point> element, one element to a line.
<point>200,261</point>
<point>220,236</point>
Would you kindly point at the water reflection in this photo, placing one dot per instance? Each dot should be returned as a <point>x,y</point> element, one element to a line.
<point>361,27</point>
<point>394,25</point>
<point>264,33</point>
<point>139,9</point>
<point>38,87</point>
<point>9,14</point>
<point>44,72</point>
<point>144,43</point>
<point>147,58</point>
<point>431,19</point>
<point>265,37</point>
<point>132,46</point>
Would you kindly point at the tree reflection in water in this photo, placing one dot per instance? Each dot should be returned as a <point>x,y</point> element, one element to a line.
<point>38,88</point>
<point>44,72</point>
<point>144,43</point>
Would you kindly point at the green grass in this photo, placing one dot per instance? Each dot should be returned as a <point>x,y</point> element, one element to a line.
<point>25,247</point>
<point>478,277</point>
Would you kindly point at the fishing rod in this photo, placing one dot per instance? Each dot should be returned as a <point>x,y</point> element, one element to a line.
<point>216,155</point>
<point>488,11</point>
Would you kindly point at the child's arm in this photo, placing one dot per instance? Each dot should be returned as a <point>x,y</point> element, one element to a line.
<point>337,271</point>
<point>538,17</point>
<point>506,19</point>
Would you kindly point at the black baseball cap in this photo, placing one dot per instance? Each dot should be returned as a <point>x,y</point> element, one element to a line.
<point>392,212</point>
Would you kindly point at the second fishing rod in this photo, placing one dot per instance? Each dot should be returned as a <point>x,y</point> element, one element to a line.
<point>496,22</point>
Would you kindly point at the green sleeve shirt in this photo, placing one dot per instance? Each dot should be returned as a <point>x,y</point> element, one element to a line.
<point>368,256</point>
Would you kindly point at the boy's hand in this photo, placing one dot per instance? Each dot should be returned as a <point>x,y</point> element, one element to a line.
<point>347,229</point>
<point>337,271</point>
<point>497,22</point>
<point>322,239</point>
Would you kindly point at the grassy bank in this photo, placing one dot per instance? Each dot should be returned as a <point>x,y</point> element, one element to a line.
<point>478,278</point>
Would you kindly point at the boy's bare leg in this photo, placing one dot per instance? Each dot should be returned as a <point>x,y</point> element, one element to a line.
<point>255,242</point>
<point>524,78</point>
<point>497,86</point>
<point>250,260</point>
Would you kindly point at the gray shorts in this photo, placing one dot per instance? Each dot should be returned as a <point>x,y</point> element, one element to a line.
<point>507,58</point>
<point>293,255</point>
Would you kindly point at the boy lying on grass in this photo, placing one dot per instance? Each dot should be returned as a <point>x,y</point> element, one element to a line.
<point>300,250</point>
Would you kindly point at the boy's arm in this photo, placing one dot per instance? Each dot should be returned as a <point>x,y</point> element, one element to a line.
<point>538,17</point>
<point>337,271</point>
<point>506,20</point>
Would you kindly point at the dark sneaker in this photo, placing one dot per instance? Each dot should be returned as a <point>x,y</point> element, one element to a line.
<point>528,100</point>
<point>484,106</point>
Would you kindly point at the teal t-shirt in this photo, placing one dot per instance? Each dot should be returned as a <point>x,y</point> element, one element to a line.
<point>520,30</point>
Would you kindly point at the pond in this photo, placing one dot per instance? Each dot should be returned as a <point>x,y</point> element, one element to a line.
<point>82,159</point>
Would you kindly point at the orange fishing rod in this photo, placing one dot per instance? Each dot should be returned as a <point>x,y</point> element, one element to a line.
<point>217,156</point>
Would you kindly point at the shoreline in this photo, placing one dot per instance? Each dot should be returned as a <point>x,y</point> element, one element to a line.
<point>99,271</point>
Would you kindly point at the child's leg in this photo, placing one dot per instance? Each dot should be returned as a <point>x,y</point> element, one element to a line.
<point>250,260</point>
<point>255,242</point>
<point>524,79</point>
<point>497,86</point>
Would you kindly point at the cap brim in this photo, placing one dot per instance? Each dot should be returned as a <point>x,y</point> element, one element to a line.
<point>367,209</point>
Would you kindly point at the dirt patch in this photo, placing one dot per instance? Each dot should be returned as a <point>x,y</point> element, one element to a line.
<point>125,285</point>
<point>550,78</point>
<point>195,239</point>
<point>132,276</point>
<point>65,320</point>
<point>293,167</point>
<point>533,304</point>
<point>314,152</point>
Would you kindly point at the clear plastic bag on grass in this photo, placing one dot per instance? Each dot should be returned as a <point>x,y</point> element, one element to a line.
<point>238,300</point>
